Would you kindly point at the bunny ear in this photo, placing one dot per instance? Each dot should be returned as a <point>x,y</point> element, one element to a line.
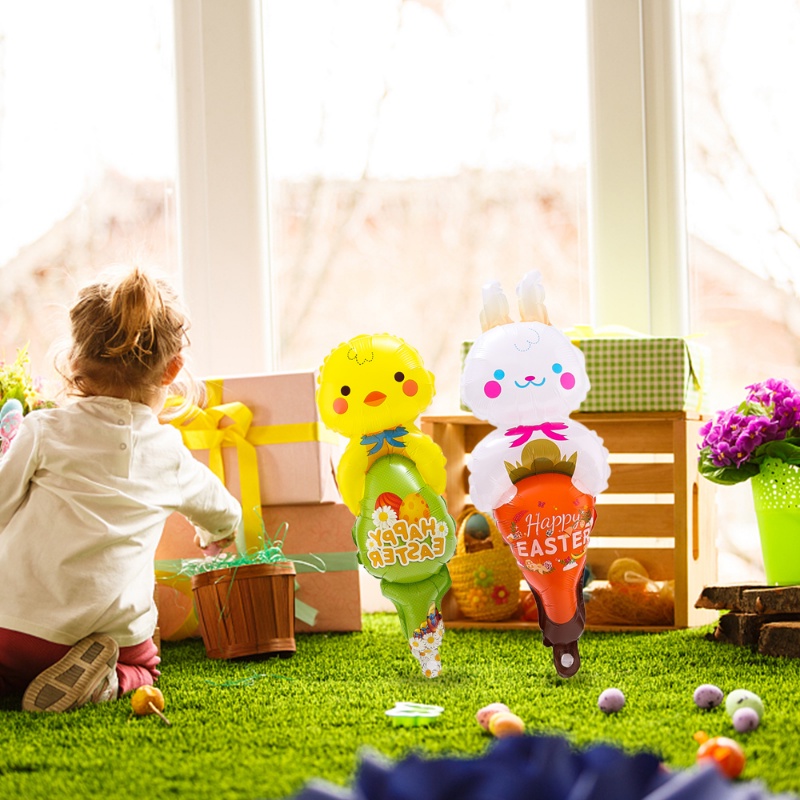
<point>495,306</point>
<point>530,293</point>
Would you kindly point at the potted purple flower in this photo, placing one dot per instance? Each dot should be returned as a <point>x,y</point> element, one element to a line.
<point>760,440</point>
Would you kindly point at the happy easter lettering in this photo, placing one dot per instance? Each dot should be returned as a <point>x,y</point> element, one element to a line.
<point>404,543</point>
<point>551,535</point>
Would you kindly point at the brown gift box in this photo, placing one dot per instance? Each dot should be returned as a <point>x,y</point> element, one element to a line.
<point>318,537</point>
<point>295,454</point>
<point>322,532</point>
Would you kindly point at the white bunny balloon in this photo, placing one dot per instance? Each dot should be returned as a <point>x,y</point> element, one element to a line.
<point>539,471</point>
<point>526,378</point>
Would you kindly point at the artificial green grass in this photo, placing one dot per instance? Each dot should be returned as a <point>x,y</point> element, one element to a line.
<point>261,728</point>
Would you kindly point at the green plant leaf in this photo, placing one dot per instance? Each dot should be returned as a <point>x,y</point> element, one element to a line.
<point>787,450</point>
<point>724,475</point>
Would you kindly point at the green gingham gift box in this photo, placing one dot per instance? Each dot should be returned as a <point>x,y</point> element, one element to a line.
<point>640,373</point>
<point>651,373</point>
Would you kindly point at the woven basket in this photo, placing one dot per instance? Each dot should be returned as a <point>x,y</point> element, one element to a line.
<point>485,575</point>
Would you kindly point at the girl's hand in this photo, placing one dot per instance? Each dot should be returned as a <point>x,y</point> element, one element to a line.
<point>214,548</point>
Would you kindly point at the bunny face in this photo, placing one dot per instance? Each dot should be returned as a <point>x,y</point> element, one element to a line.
<point>523,372</point>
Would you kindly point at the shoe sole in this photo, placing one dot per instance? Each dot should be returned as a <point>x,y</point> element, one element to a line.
<point>70,681</point>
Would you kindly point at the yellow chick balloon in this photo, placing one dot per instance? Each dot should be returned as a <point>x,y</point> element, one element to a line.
<point>391,476</point>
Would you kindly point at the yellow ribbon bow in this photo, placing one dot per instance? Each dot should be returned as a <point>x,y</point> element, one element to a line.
<point>230,425</point>
<point>204,429</point>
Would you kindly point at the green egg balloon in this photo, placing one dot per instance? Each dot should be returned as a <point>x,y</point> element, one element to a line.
<point>405,543</point>
<point>742,698</point>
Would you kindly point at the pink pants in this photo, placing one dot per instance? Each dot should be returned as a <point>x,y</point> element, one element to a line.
<point>23,657</point>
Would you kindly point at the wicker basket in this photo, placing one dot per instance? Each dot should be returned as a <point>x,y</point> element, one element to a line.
<point>485,575</point>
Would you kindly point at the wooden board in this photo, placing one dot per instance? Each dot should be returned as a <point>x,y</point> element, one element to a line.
<point>764,618</point>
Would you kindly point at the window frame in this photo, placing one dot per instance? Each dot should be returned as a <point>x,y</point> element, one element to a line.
<point>637,240</point>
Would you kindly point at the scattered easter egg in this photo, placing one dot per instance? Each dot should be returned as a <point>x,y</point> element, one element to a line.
<point>707,696</point>
<point>742,698</point>
<point>487,712</point>
<point>611,701</point>
<point>504,724</point>
<point>726,754</point>
<point>745,719</point>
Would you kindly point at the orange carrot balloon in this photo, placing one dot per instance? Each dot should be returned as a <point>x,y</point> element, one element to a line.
<point>547,526</point>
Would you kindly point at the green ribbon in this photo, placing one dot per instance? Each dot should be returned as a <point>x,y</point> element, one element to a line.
<point>169,569</point>
<point>331,562</point>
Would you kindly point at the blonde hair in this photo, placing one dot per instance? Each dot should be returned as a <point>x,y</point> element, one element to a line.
<point>126,328</point>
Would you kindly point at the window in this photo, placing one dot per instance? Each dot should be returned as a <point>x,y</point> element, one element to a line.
<point>743,207</point>
<point>416,150</point>
<point>87,154</point>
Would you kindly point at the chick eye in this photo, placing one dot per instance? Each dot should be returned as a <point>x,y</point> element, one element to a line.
<point>345,390</point>
<point>398,376</point>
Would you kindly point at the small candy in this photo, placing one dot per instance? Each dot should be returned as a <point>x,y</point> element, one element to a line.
<point>745,719</point>
<point>611,701</point>
<point>149,700</point>
<point>725,753</point>
<point>707,696</point>
<point>503,724</point>
<point>485,714</point>
<point>742,698</point>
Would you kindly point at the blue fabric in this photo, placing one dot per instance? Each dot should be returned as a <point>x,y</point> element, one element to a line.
<point>537,768</point>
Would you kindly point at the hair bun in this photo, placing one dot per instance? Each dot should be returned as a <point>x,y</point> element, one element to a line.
<point>134,304</point>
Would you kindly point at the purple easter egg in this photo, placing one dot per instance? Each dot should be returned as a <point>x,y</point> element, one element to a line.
<point>611,701</point>
<point>745,719</point>
<point>707,696</point>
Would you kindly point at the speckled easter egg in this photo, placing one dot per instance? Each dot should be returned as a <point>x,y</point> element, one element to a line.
<point>745,719</point>
<point>413,508</point>
<point>743,698</point>
<point>611,701</point>
<point>707,696</point>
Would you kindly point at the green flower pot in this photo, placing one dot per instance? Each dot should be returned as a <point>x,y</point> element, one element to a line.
<point>776,494</point>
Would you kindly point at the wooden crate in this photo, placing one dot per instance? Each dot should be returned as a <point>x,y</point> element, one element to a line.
<point>657,509</point>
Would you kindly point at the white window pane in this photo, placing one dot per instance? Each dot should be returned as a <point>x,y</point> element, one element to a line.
<point>743,214</point>
<point>87,154</point>
<point>417,150</point>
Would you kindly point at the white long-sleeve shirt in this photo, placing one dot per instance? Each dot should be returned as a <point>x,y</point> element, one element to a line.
<point>84,493</point>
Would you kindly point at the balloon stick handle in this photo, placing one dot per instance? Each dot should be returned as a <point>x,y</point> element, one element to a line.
<point>158,714</point>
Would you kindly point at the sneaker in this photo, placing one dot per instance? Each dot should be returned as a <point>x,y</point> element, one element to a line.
<point>86,674</point>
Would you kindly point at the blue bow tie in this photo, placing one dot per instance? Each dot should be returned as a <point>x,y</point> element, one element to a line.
<point>391,438</point>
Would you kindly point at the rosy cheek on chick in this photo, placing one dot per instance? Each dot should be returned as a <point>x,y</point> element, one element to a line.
<point>410,388</point>
<point>340,405</point>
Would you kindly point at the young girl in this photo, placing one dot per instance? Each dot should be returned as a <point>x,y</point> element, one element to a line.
<point>84,493</point>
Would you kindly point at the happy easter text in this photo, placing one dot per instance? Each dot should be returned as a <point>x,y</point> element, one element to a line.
<point>404,543</point>
<point>562,533</point>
